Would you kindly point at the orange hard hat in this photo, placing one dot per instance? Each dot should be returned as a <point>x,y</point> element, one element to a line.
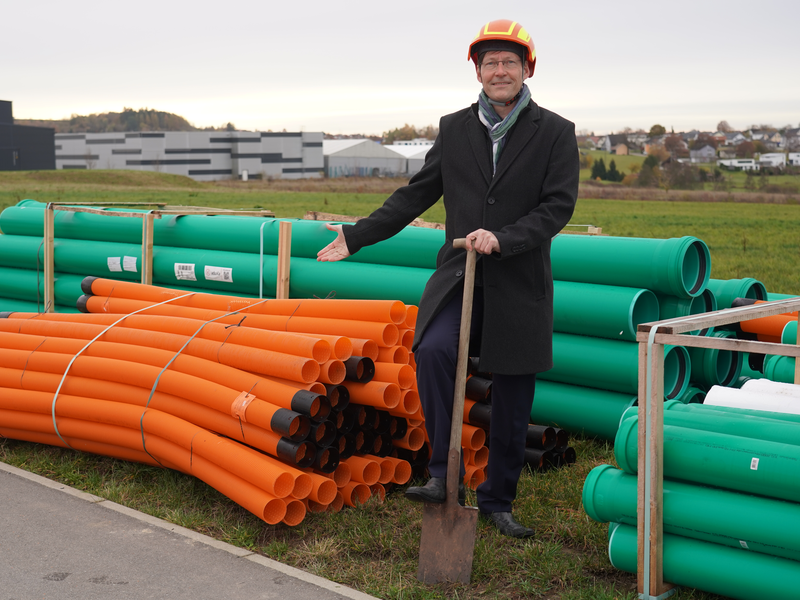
<point>506,31</point>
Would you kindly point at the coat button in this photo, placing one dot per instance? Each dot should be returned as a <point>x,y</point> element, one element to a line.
<point>491,200</point>
<point>459,273</point>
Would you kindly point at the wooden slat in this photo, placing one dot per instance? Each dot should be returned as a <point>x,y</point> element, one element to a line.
<point>643,544</point>
<point>147,249</point>
<point>284,259</point>
<point>720,317</point>
<point>49,259</point>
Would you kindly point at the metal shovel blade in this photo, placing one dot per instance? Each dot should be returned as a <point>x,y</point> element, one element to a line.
<point>448,542</point>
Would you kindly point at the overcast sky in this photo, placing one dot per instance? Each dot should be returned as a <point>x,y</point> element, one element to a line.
<point>367,66</point>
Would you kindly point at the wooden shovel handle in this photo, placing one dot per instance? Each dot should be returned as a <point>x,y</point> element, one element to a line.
<point>453,459</point>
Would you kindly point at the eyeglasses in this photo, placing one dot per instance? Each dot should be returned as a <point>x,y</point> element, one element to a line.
<point>509,65</point>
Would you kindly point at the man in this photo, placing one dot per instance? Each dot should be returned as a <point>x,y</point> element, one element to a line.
<point>508,171</point>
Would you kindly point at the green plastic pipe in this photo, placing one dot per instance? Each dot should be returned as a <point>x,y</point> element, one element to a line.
<point>588,411</point>
<point>731,572</point>
<point>411,247</point>
<point>789,333</point>
<point>692,395</point>
<point>606,311</point>
<point>228,272</point>
<point>8,305</point>
<point>779,368</point>
<point>671,307</point>
<point>703,419</point>
<point>712,366</point>
<point>21,284</point>
<point>747,367</point>
<point>727,290</point>
<point>676,266</point>
<point>771,296</point>
<point>698,512</point>
<point>764,414</point>
<point>612,364</point>
<point>737,463</point>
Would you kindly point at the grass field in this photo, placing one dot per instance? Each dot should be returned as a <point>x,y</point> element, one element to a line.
<point>374,547</point>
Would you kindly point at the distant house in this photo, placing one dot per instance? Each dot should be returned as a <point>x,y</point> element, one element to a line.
<point>609,142</point>
<point>726,152</point>
<point>772,159</point>
<point>739,164</point>
<point>720,137</point>
<point>791,139</point>
<point>587,141</point>
<point>706,154</point>
<point>734,138</point>
<point>620,150</point>
<point>794,159</point>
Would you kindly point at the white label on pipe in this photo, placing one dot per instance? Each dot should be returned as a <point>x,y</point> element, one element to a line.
<point>218,274</point>
<point>185,271</point>
<point>114,263</point>
<point>744,544</point>
<point>754,464</point>
<point>129,263</point>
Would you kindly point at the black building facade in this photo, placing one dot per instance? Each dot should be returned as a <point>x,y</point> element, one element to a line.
<point>24,148</point>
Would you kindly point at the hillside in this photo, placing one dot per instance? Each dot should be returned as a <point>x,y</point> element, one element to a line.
<point>143,119</point>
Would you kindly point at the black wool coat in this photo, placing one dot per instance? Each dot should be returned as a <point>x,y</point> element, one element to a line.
<point>527,201</point>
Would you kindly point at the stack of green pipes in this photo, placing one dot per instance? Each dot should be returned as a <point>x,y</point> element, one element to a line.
<point>223,254</point>
<point>604,287</point>
<point>731,499</point>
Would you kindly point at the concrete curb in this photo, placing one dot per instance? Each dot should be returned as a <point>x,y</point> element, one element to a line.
<point>192,535</point>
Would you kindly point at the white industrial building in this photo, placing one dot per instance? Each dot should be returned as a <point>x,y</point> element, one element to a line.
<point>202,155</point>
<point>361,158</point>
<point>739,164</point>
<point>414,153</point>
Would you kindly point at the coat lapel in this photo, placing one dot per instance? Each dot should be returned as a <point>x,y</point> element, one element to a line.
<point>478,142</point>
<point>524,130</point>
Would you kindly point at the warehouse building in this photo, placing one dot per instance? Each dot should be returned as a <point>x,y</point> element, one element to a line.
<point>24,148</point>
<point>415,154</point>
<point>201,155</point>
<point>361,158</point>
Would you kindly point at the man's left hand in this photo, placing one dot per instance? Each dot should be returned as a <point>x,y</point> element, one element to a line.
<point>482,241</point>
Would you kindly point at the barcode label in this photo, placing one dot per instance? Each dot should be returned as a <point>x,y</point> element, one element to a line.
<point>754,464</point>
<point>223,274</point>
<point>114,263</point>
<point>185,272</point>
<point>129,263</point>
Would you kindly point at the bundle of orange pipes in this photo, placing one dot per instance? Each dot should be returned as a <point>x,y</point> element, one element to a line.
<point>284,406</point>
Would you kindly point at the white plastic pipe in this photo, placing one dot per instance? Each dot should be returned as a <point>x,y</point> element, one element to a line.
<point>741,398</point>
<point>772,387</point>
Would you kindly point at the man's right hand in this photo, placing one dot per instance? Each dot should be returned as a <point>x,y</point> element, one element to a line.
<point>337,249</point>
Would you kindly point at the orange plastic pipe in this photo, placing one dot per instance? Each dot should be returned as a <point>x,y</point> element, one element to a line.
<point>390,311</point>
<point>332,372</point>
<point>365,347</point>
<point>236,458</point>
<point>337,503</point>
<point>248,495</point>
<point>216,396</point>
<point>771,326</point>
<point>411,316</point>
<point>323,489</point>
<point>79,325</point>
<point>481,457</point>
<point>385,334</point>
<point>393,354</point>
<point>355,493</point>
<point>471,436</point>
<point>378,491</point>
<point>165,346</point>
<point>363,470</point>
<point>295,513</point>
<point>198,414</point>
<point>413,440</point>
<point>375,393</point>
<point>473,477</point>
<point>387,469</point>
<point>341,345</point>
<point>401,375</point>
<point>406,338</point>
<point>402,470</point>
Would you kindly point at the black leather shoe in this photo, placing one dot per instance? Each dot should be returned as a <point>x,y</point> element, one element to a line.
<point>434,492</point>
<point>507,525</point>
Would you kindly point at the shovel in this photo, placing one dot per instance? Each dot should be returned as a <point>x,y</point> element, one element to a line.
<point>447,544</point>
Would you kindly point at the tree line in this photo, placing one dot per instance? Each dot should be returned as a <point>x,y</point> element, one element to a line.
<point>143,119</point>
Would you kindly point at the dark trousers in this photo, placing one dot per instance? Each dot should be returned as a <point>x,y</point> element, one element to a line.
<point>512,397</point>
